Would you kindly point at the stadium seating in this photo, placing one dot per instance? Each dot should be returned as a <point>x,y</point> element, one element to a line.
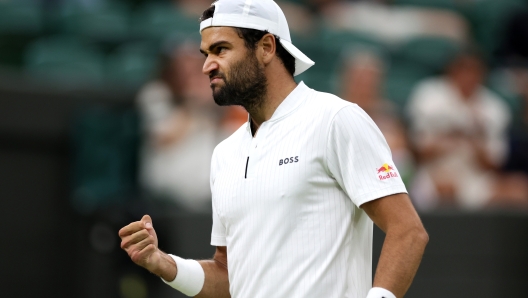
<point>158,21</point>
<point>106,23</point>
<point>442,4</point>
<point>65,60</point>
<point>413,61</point>
<point>319,80</point>
<point>326,47</point>
<point>431,53</point>
<point>131,64</point>
<point>20,22</point>
<point>302,2</point>
<point>489,18</point>
<point>20,17</point>
<point>116,26</point>
<point>318,75</point>
<point>340,40</point>
<point>399,83</point>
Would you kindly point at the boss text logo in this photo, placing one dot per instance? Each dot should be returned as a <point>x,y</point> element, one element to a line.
<point>288,160</point>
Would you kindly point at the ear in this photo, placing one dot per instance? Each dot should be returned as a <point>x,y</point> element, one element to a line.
<point>268,46</point>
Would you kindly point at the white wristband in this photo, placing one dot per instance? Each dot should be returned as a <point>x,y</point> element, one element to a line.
<point>190,278</point>
<point>380,293</point>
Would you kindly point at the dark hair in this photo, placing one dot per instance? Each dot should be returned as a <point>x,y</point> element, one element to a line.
<point>251,37</point>
<point>469,51</point>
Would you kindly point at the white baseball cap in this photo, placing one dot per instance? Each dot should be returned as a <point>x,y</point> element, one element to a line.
<point>264,15</point>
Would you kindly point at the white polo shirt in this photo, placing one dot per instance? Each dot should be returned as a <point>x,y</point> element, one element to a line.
<point>286,202</point>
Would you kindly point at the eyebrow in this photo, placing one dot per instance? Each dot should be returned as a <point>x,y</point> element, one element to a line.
<point>214,45</point>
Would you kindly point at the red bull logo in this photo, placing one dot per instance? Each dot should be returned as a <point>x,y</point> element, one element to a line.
<point>386,171</point>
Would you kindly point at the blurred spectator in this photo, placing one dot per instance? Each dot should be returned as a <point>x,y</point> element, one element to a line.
<point>182,125</point>
<point>85,4</point>
<point>301,20</point>
<point>321,5</point>
<point>395,24</point>
<point>459,128</point>
<point>193,8</point>
<point>361,83</point>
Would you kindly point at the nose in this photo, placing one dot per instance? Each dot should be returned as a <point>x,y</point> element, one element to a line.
<point>209,65</point>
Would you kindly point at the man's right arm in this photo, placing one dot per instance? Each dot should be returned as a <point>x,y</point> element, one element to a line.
<point>216,278</point>
<point>139,240</point>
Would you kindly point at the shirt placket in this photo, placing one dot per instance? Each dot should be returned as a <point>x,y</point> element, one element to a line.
<point>254,154</point>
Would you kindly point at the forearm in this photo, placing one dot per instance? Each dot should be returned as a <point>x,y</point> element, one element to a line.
<point>216,280</point>
<point>207,278</point>
<point>166,267</point>
<point>400,257</point>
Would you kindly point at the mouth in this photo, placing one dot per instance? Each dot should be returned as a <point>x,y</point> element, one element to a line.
<point>215,80</point>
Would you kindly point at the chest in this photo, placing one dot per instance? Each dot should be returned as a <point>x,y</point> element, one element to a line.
<point>279,172</point>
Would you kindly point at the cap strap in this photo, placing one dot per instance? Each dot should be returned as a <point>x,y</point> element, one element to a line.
<point>247,6</point>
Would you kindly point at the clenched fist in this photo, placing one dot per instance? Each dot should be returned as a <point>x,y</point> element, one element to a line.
<point>139,240</point>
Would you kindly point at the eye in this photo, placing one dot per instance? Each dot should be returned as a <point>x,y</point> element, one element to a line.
<point>221,49</point>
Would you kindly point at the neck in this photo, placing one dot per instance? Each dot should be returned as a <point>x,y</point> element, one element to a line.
<point>466,91</point>
<point>279,87</point>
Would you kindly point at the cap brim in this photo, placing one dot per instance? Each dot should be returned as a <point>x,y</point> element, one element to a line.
<point>302,62</point>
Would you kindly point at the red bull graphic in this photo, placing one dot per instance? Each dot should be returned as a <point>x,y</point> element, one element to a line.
<point>386,172</point>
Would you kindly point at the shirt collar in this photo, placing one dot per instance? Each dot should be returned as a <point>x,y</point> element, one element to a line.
<point>288,105</point>
<point>291,102</point>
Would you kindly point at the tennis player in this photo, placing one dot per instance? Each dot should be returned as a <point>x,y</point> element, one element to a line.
<point>296,190</point>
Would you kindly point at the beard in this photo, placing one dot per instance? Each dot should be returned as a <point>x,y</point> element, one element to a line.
<point>246,86</point>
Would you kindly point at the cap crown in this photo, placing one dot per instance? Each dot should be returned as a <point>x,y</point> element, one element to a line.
<point>264,15</point>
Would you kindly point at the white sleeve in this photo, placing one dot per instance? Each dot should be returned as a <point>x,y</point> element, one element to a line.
<point>359,158</point>
<point>218,234</point>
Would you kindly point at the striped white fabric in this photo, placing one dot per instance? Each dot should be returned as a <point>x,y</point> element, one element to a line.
<point>285,203</point>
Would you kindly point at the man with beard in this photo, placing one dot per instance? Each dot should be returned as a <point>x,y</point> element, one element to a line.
<point>296,189</point>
